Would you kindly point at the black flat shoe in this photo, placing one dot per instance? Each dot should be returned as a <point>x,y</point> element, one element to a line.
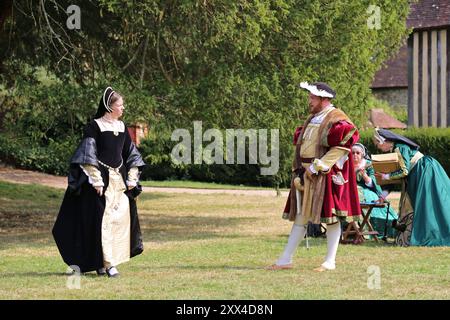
<point>101,271</point>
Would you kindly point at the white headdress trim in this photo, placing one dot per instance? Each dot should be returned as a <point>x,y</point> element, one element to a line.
<point>379,138</point>
<point>315,91</point>
<point>108,100</point>
<point>360,147</point>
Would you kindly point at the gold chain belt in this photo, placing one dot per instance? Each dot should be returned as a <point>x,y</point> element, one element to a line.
<point>109,167</point>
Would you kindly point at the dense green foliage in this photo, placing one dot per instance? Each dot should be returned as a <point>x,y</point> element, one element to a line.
<point>433,142</point>
<point>44,118</point>
<point>230,64</point>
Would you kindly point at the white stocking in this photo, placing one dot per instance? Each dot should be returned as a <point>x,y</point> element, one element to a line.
<point>333,236</point>
<point>296,236</point>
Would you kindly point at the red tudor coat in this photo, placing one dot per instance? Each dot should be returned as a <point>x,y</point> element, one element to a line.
<point>341,200</point>
<point>334,201</point>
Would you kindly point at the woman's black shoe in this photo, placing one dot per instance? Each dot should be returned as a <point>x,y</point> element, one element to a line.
<point>101,271</point>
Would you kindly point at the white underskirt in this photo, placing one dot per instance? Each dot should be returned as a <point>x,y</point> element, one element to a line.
<point>116,222</point>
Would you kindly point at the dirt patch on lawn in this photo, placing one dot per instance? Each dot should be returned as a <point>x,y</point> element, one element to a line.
<point>31,177</point>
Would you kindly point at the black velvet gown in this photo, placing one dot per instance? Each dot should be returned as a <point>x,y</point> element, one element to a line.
<point>77,230</point>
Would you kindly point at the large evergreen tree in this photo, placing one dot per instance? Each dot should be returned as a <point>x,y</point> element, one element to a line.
<point>228,63</point>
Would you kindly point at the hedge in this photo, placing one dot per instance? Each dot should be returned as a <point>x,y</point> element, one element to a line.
<point>54,157</point>
<point>434,142</point>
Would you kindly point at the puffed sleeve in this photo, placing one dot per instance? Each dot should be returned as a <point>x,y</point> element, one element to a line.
<point>85,158</point>
<point>340,138</point>
<point>94,175</point>
<point>373,185</point>
<point>342,134</point>
<point>404,157</point>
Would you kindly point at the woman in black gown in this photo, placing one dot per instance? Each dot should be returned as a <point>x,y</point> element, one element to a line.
<point>97,227</point>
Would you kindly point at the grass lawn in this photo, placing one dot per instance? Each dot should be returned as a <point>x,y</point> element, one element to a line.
<point>206,247</point>
<point>199,185</point>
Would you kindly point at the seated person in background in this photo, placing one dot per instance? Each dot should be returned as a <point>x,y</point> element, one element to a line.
<point>369,191</point>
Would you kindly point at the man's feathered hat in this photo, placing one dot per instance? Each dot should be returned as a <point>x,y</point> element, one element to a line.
<point>320,89</point>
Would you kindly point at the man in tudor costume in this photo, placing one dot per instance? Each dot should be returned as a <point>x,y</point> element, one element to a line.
<point>323,185</point>
<point>97,227</point>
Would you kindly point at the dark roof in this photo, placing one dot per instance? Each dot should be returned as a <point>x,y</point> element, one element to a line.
<point>394,73</point>
<point>423,14</point>
<point>429,14</point>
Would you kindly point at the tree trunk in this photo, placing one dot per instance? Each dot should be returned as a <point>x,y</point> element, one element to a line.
<point>5,11</point>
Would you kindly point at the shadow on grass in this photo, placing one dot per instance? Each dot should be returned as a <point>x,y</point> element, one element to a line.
<point>147,196</point>
<point>155,228</point>
<point>47,274</point>
<point>26,223</point>
<point>28,213</point>
<point>31,239</point>
<point>165,228</point>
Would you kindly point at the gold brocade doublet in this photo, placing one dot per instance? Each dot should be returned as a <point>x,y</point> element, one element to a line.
<point>309,142</point>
